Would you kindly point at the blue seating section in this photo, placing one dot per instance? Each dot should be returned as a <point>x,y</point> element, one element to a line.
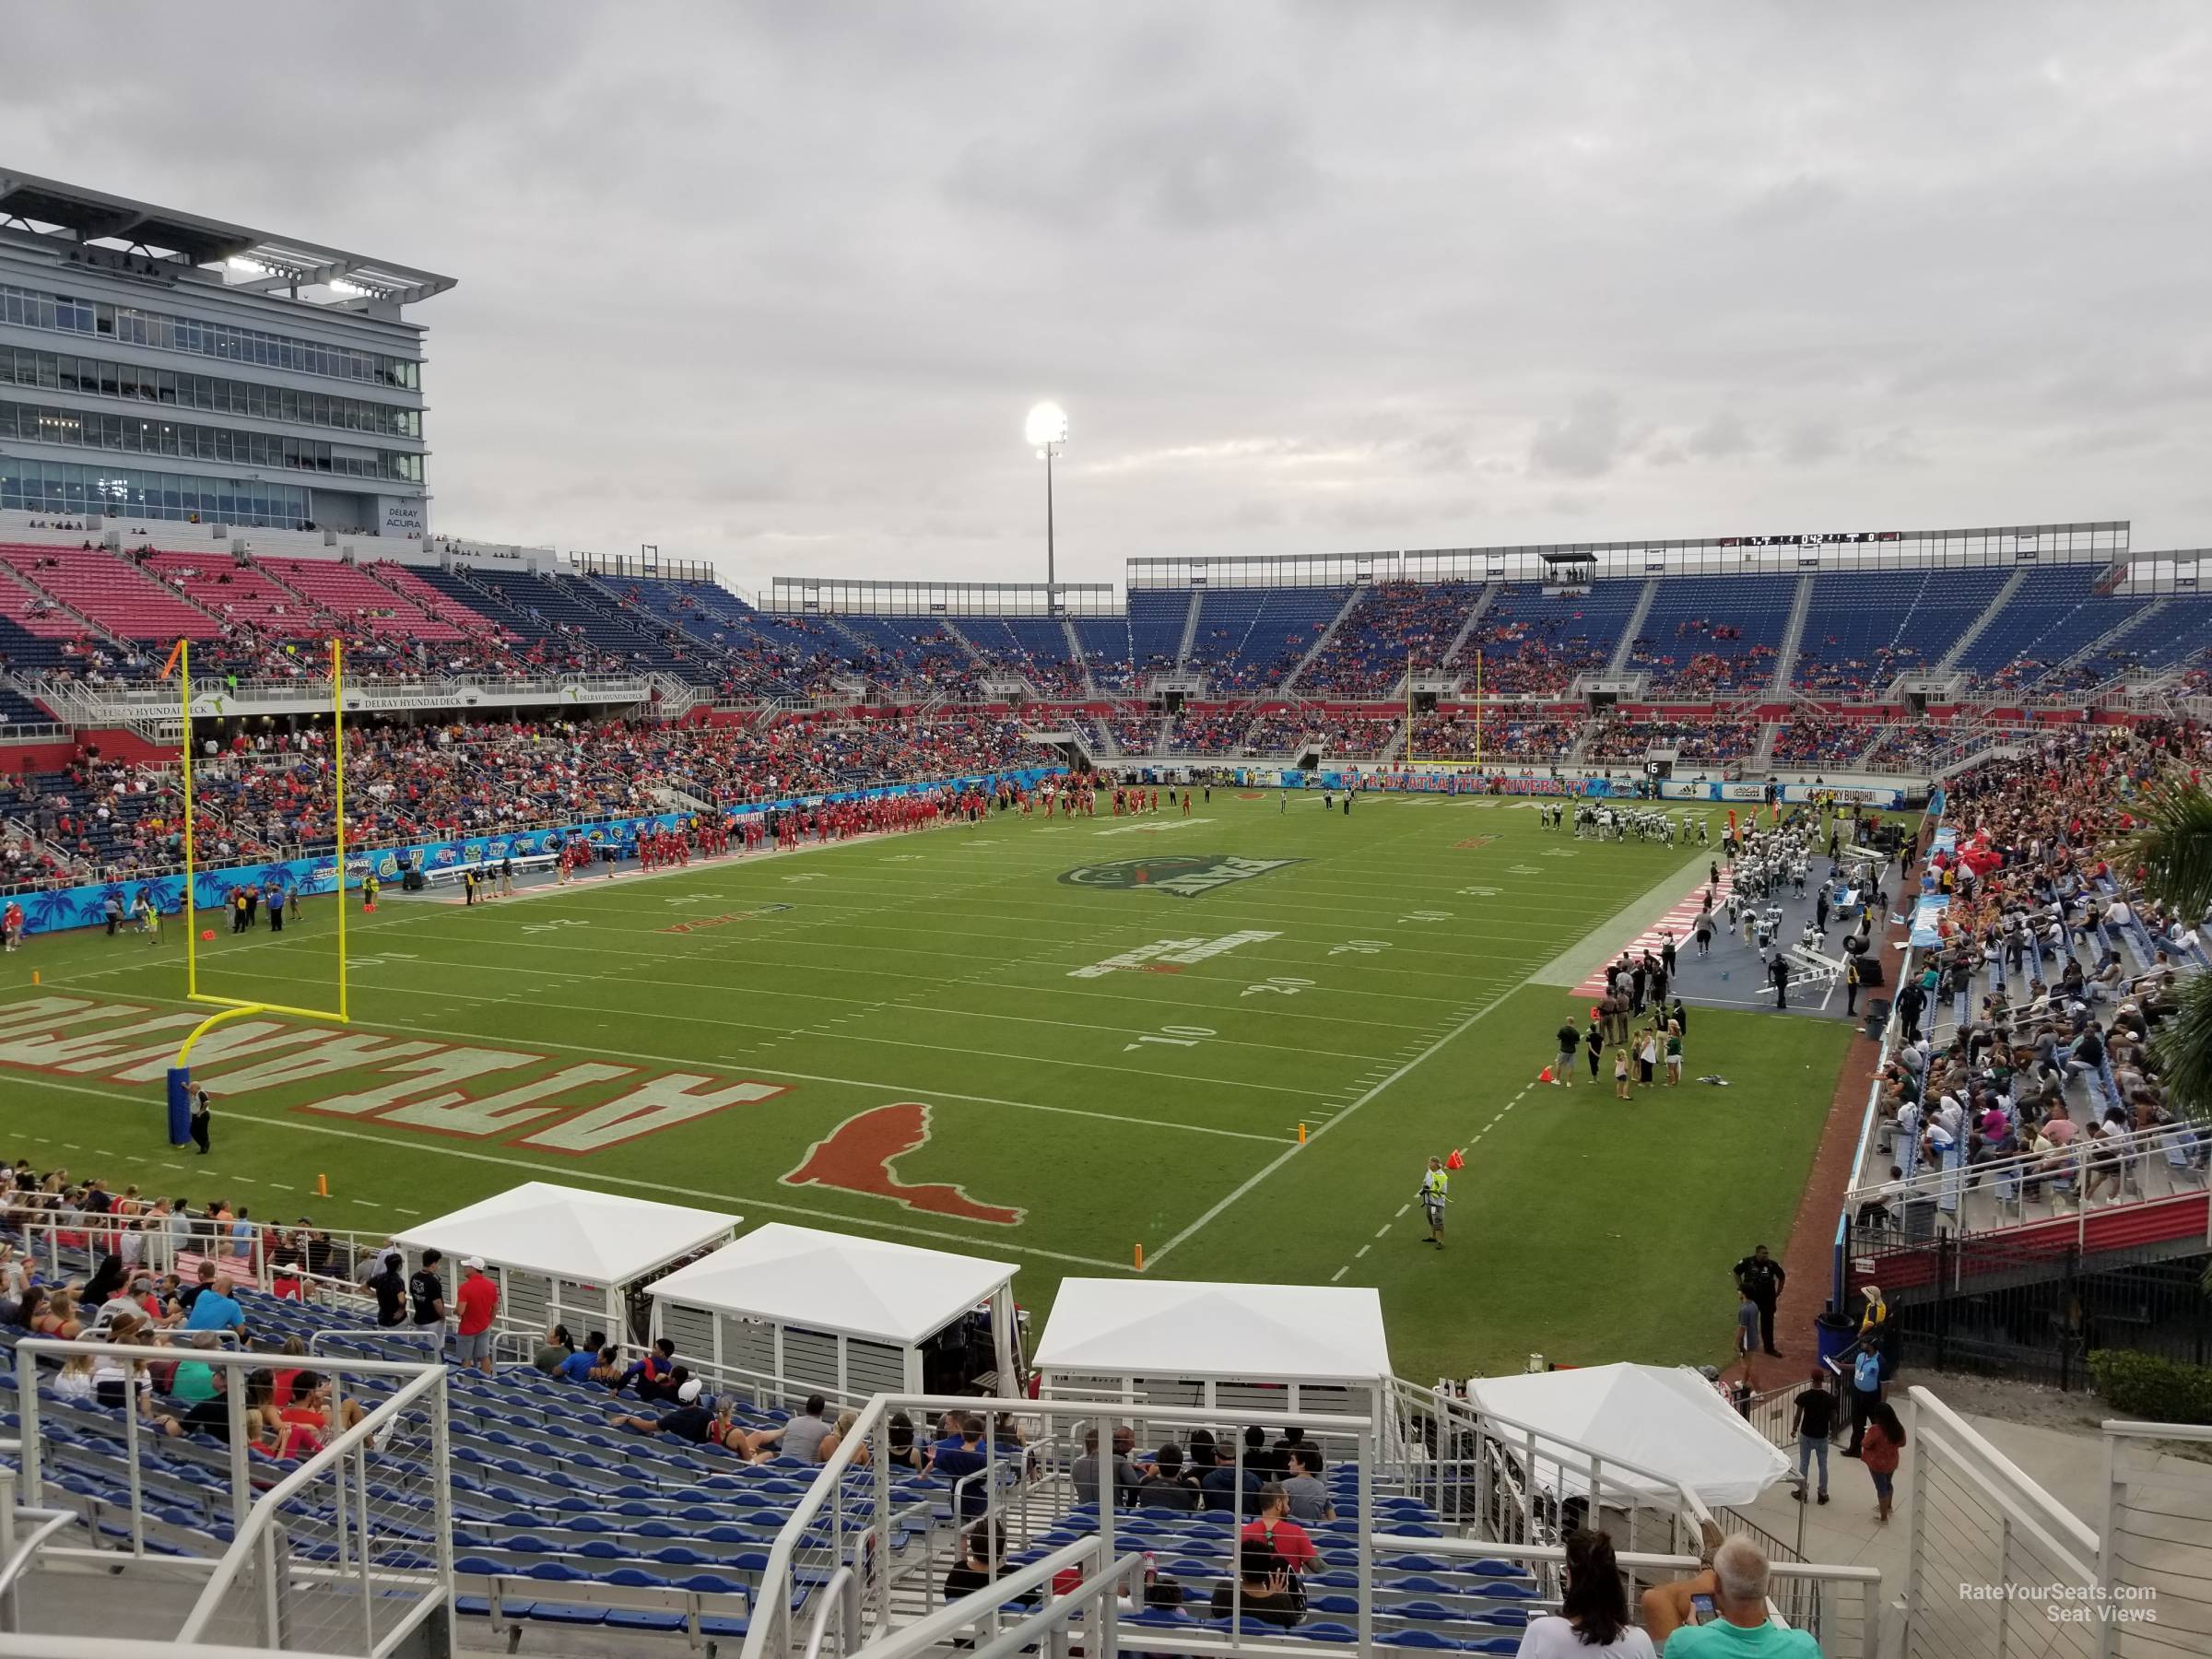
<point>1120,650</point>
<point>1253,637</point>
<point>1445,1601</point>
<point>1714,634</point>
<point>638,1531</point>
<point>910,648</point>
<point>2176,637</point>
<point>16,710</point>
<point>1702,636</point>
<point>1389,624</point>
<point>1866,626</point>
<point>1530,641</point>
<point>561,1519</point>
<point>760,654</point>
<point>22,651</point>
<point>571,603</point>
<point>2052,615</point>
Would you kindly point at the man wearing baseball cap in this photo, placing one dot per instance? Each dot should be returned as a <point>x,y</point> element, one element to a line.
<point>478,1300</point>
<point>694,1418</point>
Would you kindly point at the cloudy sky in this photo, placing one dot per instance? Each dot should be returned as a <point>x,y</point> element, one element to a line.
<point>773,284</point>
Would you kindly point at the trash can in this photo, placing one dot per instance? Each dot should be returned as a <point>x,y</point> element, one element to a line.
<point>1917,1217</point>
<point>1834,1335</point>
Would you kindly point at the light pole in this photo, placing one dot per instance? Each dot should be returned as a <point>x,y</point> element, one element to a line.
<point>1046,430</point>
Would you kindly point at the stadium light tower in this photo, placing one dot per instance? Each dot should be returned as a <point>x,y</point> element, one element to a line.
<point>1046,429</point>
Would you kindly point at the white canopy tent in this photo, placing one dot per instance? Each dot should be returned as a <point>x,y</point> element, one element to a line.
<point>1254,1348</point>
<point>822,1311</point>
<point>568,1255</point>
<point>1665,1420</point>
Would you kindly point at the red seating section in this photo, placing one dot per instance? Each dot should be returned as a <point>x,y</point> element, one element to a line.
<point>36,616</point>
<point>113,592</point>
<point>364,603</point>
<point>442,605</point>
<point>239,593</point>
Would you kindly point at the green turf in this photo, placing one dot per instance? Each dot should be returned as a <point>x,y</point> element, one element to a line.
<point>1392,1016</point>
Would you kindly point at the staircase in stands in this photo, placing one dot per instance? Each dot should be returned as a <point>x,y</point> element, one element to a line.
<point>1785,654</point>
<point>1190,626</point>
<point>1321,641</point>
<point>2110,636</point>
<point>1998,601</point>
<point>1617,663</point>
<point>1077,656</point>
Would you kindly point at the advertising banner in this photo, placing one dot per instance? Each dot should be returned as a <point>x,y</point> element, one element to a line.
<point>87,906</point>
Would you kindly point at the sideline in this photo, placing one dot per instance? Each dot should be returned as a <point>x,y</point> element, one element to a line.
<point>1601,943</point>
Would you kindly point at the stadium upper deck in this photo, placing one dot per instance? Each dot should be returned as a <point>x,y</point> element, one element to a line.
<point>2016,616</point>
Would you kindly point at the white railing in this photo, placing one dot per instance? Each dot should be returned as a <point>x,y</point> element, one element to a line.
<point>355,1573</point>
<point>2122,1155</point>
<point>818,1525</point>
<point>2155,1552</point>
<point>354,1566</point>
<point>1989,1551</point>
<point>1520,1484</point>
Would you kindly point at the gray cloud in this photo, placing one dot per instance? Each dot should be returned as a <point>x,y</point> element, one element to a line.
<point>1718,438</point>
<point>1809,442</point>
<point>1586,441</point>
<point>1208,167</point>
<point>773,284</point>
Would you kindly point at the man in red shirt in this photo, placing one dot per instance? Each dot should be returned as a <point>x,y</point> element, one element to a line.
<point>1290,1540</point>
<point>478,1300</point>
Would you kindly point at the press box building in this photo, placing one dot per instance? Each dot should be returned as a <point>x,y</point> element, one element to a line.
<point>158,365</point>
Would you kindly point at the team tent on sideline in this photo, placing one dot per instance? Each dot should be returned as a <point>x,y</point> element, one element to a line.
<point>566,1255</point>
<point>1253,1348</point>
<point>849,1317</point>
<point>1664,1420</point>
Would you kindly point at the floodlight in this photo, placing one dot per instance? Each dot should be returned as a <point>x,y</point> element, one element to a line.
<point>1046,427</point>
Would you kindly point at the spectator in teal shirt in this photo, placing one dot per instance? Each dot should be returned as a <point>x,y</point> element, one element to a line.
<point>1745,1630</point>
<point>214,1310</point>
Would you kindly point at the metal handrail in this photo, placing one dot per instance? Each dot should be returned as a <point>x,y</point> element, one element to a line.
<point>2114,1150</point>
<point>835,1596</point>
<point>2054,1513</point>
<point>1597,1463</point>
<point>258,1518</point>
<point>770,1591</point>
<point>50,1522</point>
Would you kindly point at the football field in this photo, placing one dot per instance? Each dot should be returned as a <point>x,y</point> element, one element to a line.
<point>1050,1042</point>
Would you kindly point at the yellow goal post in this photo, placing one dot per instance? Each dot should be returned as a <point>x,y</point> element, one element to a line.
<point>232,1007</point>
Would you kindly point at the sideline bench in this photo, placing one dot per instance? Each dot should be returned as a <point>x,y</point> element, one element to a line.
<point>489,866</point>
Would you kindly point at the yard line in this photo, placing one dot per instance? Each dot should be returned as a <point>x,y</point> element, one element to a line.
<point>555,978</point>
<point>567,1172</point>
<point>721,1021</point>
<point>1188,977</point>
<point>1277,1162</point>
<point>1121,1070</point>
<point>693,1063</point>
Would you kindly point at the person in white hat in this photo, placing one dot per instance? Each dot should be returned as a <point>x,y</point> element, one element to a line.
<point>478,1300</point>
<point>695,1419</point>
